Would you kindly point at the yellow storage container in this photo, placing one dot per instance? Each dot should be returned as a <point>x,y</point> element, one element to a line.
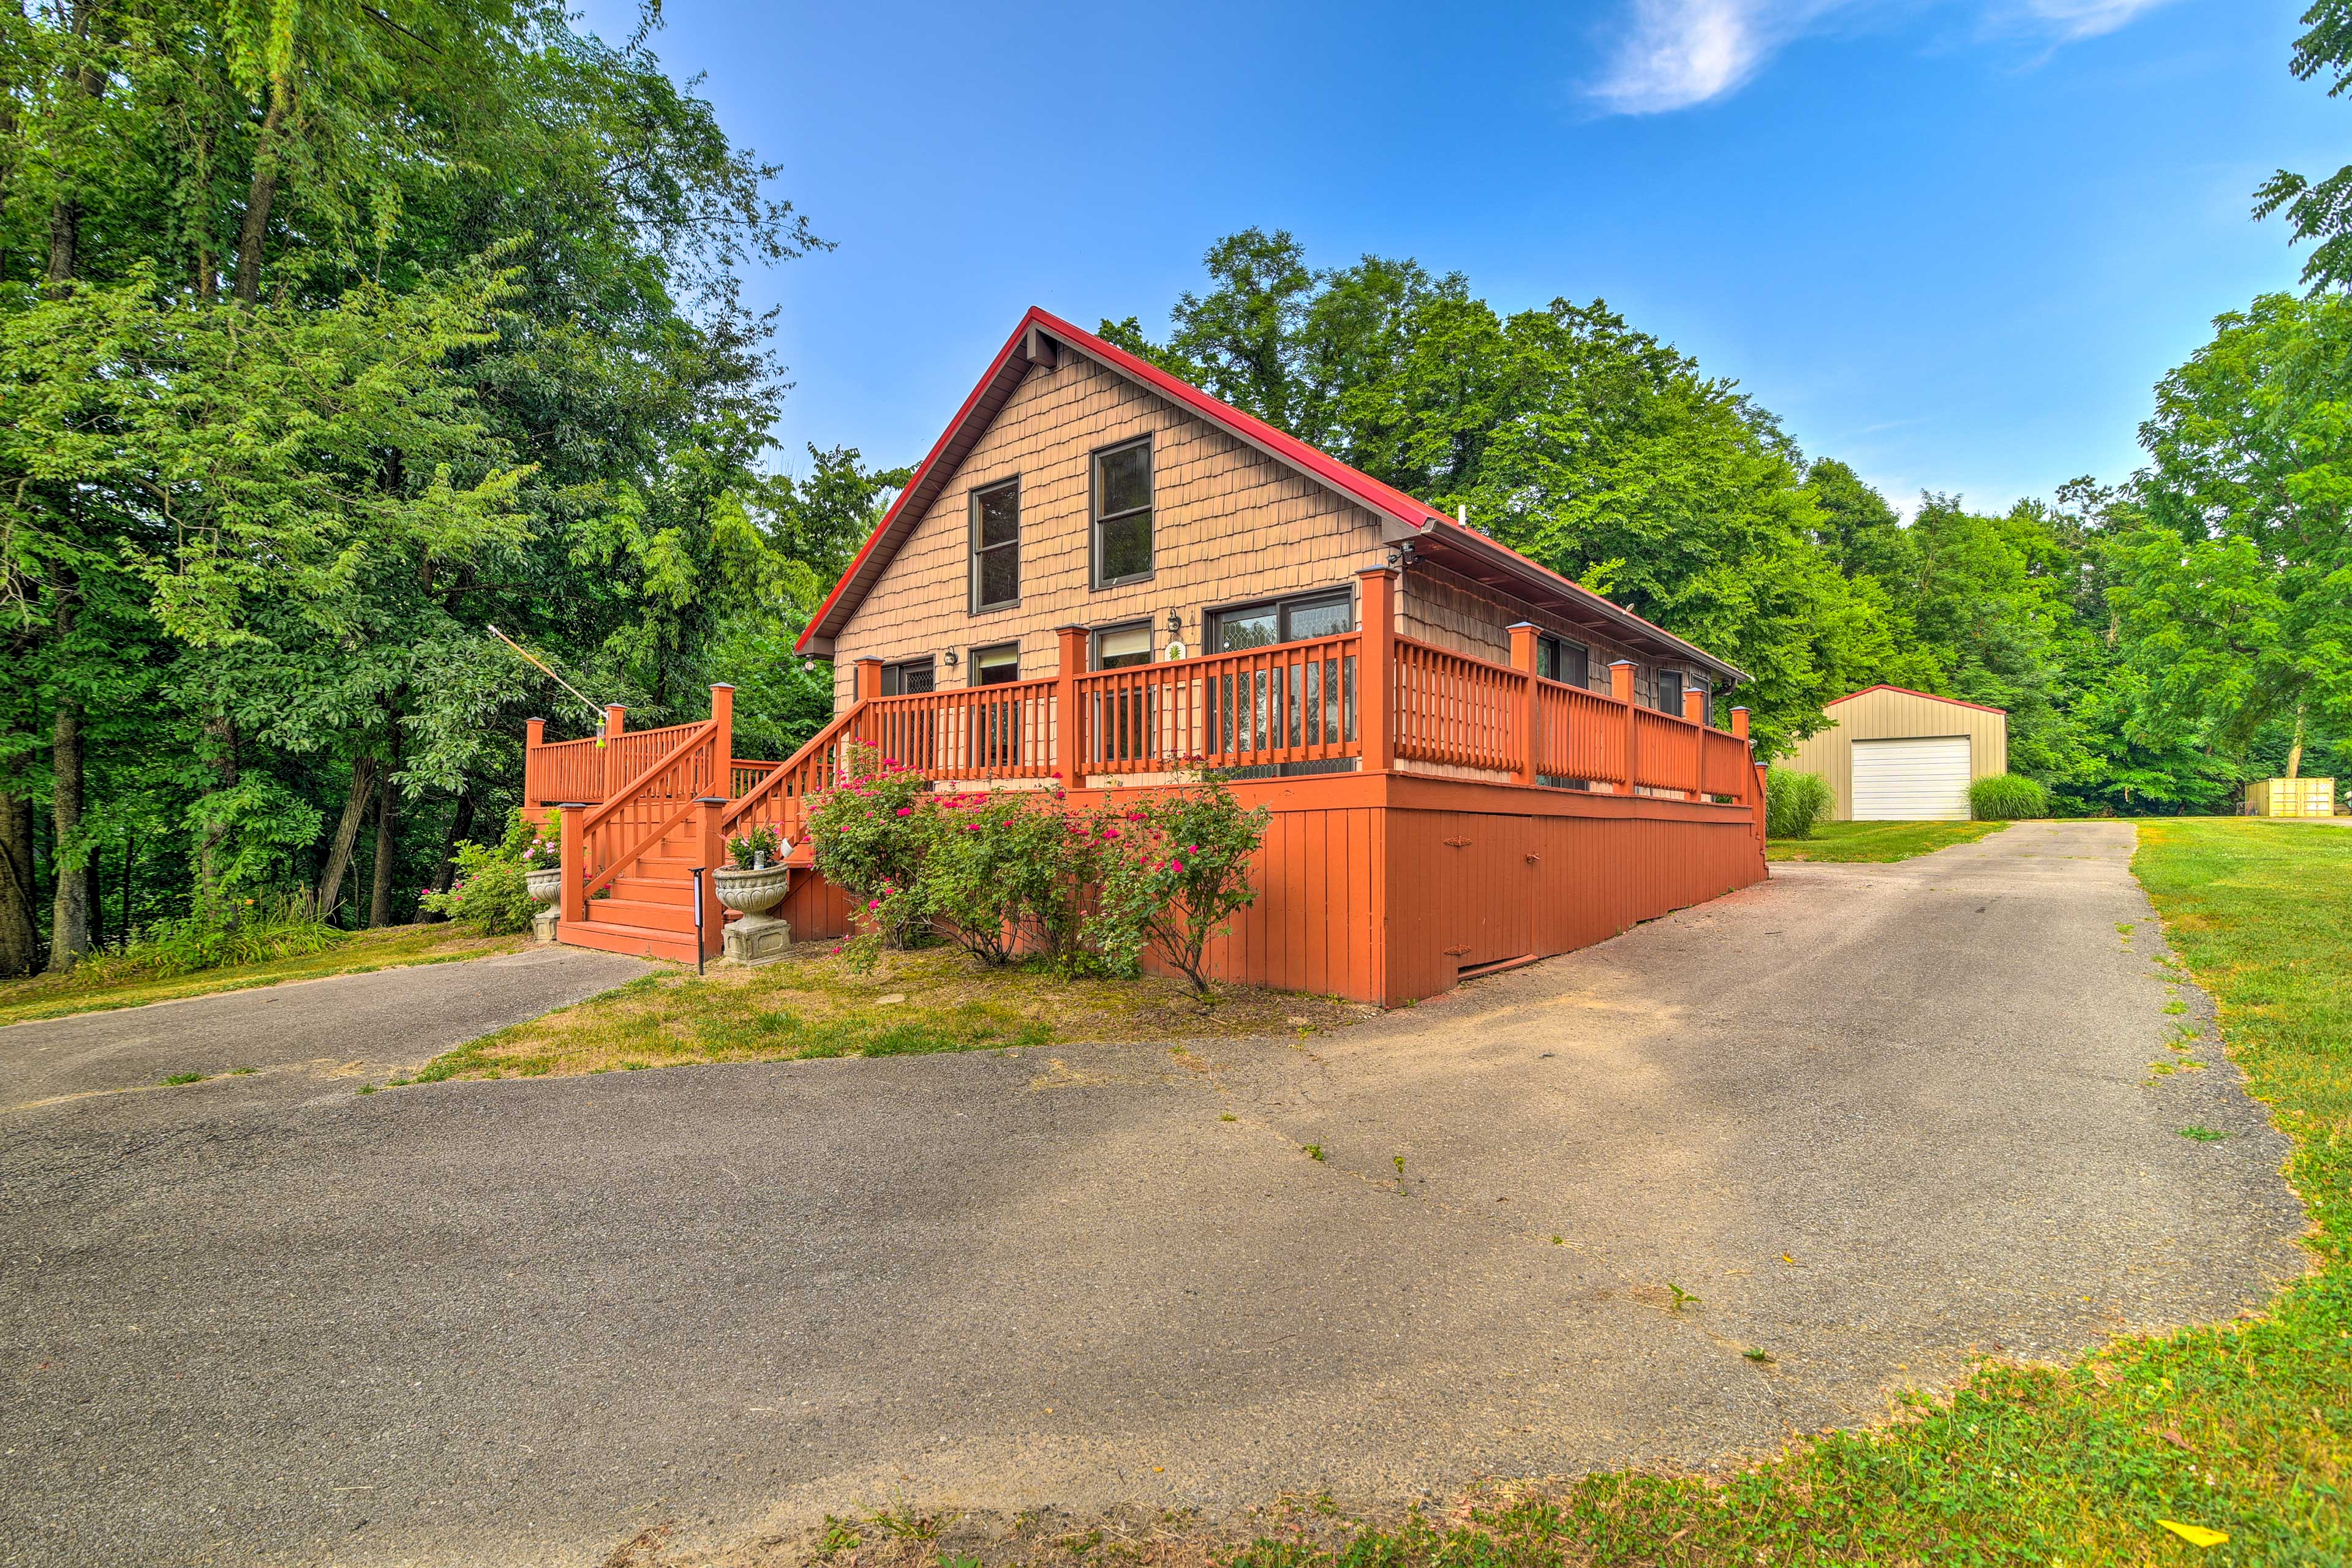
<point>2291,797</point>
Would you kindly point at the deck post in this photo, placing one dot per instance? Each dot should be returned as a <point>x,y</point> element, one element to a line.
<point>1695,706</point>
<point>710,843</point>
<point>1621,688</point>
<point>1376,677</point>
<point>572,904</point>
<point>1069,740</point>
<point>1523,657</point>
<point>1763,789</point>
<point>615,721</point>
<point>869,680</point>
<point>534,736</point>
<point>1739,733</point>
<point>722,713</point>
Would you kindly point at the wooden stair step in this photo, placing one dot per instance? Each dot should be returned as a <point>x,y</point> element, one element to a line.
<point>642,912</point>
<point>616,937</point>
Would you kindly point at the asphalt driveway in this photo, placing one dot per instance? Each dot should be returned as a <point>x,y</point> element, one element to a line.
<point>1873,1119</point>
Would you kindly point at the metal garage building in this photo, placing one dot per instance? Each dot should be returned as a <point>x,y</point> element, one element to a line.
<point>1895,755</point>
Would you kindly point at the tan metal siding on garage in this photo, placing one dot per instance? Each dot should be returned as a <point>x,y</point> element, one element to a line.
<point>1883,714</point>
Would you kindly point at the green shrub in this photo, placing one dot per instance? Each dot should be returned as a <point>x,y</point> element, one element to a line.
<point>2006,797</point>
<point>1177,872</point>
<point>491,892</point>
<point>868,834</point>
<point>254,930</point>
<point>1793,802</point>
<point>1006,870</point>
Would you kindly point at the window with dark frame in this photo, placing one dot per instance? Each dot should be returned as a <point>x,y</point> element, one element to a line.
<point>1123,514</point>
<point>996,546</point>
<point>907,679</point>
<point>996,666</point>
<point>1666,691</point>
<point>1569,663</point>
<point>1116,647</point>
<point>1281,621</point>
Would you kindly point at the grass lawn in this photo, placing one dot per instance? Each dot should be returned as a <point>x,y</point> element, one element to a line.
<point>1877,841</point>
<point>392,947</point>
<point>812,1004</point>
<point>2243,1428</point>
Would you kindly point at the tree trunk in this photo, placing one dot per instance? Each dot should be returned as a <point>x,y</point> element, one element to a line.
<point>461,823</point>
<point>220,763</point>
<point>347,832</point>
<point>2294,753</point>
<point>262,195</point>
<point>387,854</point>
<point>20,937</point>
<point>69,908</point>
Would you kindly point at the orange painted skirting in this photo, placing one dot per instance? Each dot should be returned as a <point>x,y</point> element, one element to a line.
<point>1382,886</point>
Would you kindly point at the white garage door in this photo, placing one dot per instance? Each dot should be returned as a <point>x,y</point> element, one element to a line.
<point>1912,780</point>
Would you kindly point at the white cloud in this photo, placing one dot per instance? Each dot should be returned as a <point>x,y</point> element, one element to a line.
<point>1682,52</point>
<point>2071,19</point>
<point>1673,54</point>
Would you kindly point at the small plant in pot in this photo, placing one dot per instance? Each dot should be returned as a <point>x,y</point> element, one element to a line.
<point>754,882</point>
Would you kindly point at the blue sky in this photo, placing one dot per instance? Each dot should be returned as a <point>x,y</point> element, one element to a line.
<point>1952,242</point>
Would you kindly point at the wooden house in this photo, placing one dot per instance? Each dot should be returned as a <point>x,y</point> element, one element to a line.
<point>1100,572</point>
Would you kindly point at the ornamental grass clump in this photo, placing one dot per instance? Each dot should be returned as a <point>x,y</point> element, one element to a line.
<point>2007,797</point>
<point>1793,803</point>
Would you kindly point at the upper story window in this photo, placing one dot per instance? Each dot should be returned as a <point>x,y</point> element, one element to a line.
<point>1666,691</point>
<point>996,666</point>
<point>1116,647</point>
<point>1569,663</point>
<point>996,546</point>
<point>905,679</point>
<point>1123,514</point>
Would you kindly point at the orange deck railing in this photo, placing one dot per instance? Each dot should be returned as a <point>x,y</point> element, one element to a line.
<point>1365,699</point>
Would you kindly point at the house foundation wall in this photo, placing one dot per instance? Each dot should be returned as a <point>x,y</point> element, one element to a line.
<point>1385,888</point>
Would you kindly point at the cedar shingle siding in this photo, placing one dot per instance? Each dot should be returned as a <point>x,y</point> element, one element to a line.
<point>1230,526</point>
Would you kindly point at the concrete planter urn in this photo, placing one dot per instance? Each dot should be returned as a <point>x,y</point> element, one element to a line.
<point>758,935</point>
<point>544,884</point>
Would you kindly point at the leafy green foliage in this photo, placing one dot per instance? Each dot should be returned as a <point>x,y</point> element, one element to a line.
<point>2007,797</point>
<point>1793,803</point>
<point>251,931</point>
<point>869,834</point>
<point>744,851</point>
<point>1006,871</point>
<point>1179,873</point>
<point>492,894</point>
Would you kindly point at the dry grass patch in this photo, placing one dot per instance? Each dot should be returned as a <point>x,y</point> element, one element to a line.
<point>812,1003</point>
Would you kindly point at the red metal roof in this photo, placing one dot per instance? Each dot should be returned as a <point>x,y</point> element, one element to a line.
<point>1386,500</point>
<point>1882,686</point>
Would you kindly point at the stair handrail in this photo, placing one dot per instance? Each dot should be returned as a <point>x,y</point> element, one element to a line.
<point>702,732</point>
<point>814,746</point>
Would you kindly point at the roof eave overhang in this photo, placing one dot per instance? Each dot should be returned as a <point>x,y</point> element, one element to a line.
<point>1498,565</point>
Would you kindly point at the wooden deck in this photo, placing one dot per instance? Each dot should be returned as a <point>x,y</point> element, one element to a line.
<point>1434,815</point>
